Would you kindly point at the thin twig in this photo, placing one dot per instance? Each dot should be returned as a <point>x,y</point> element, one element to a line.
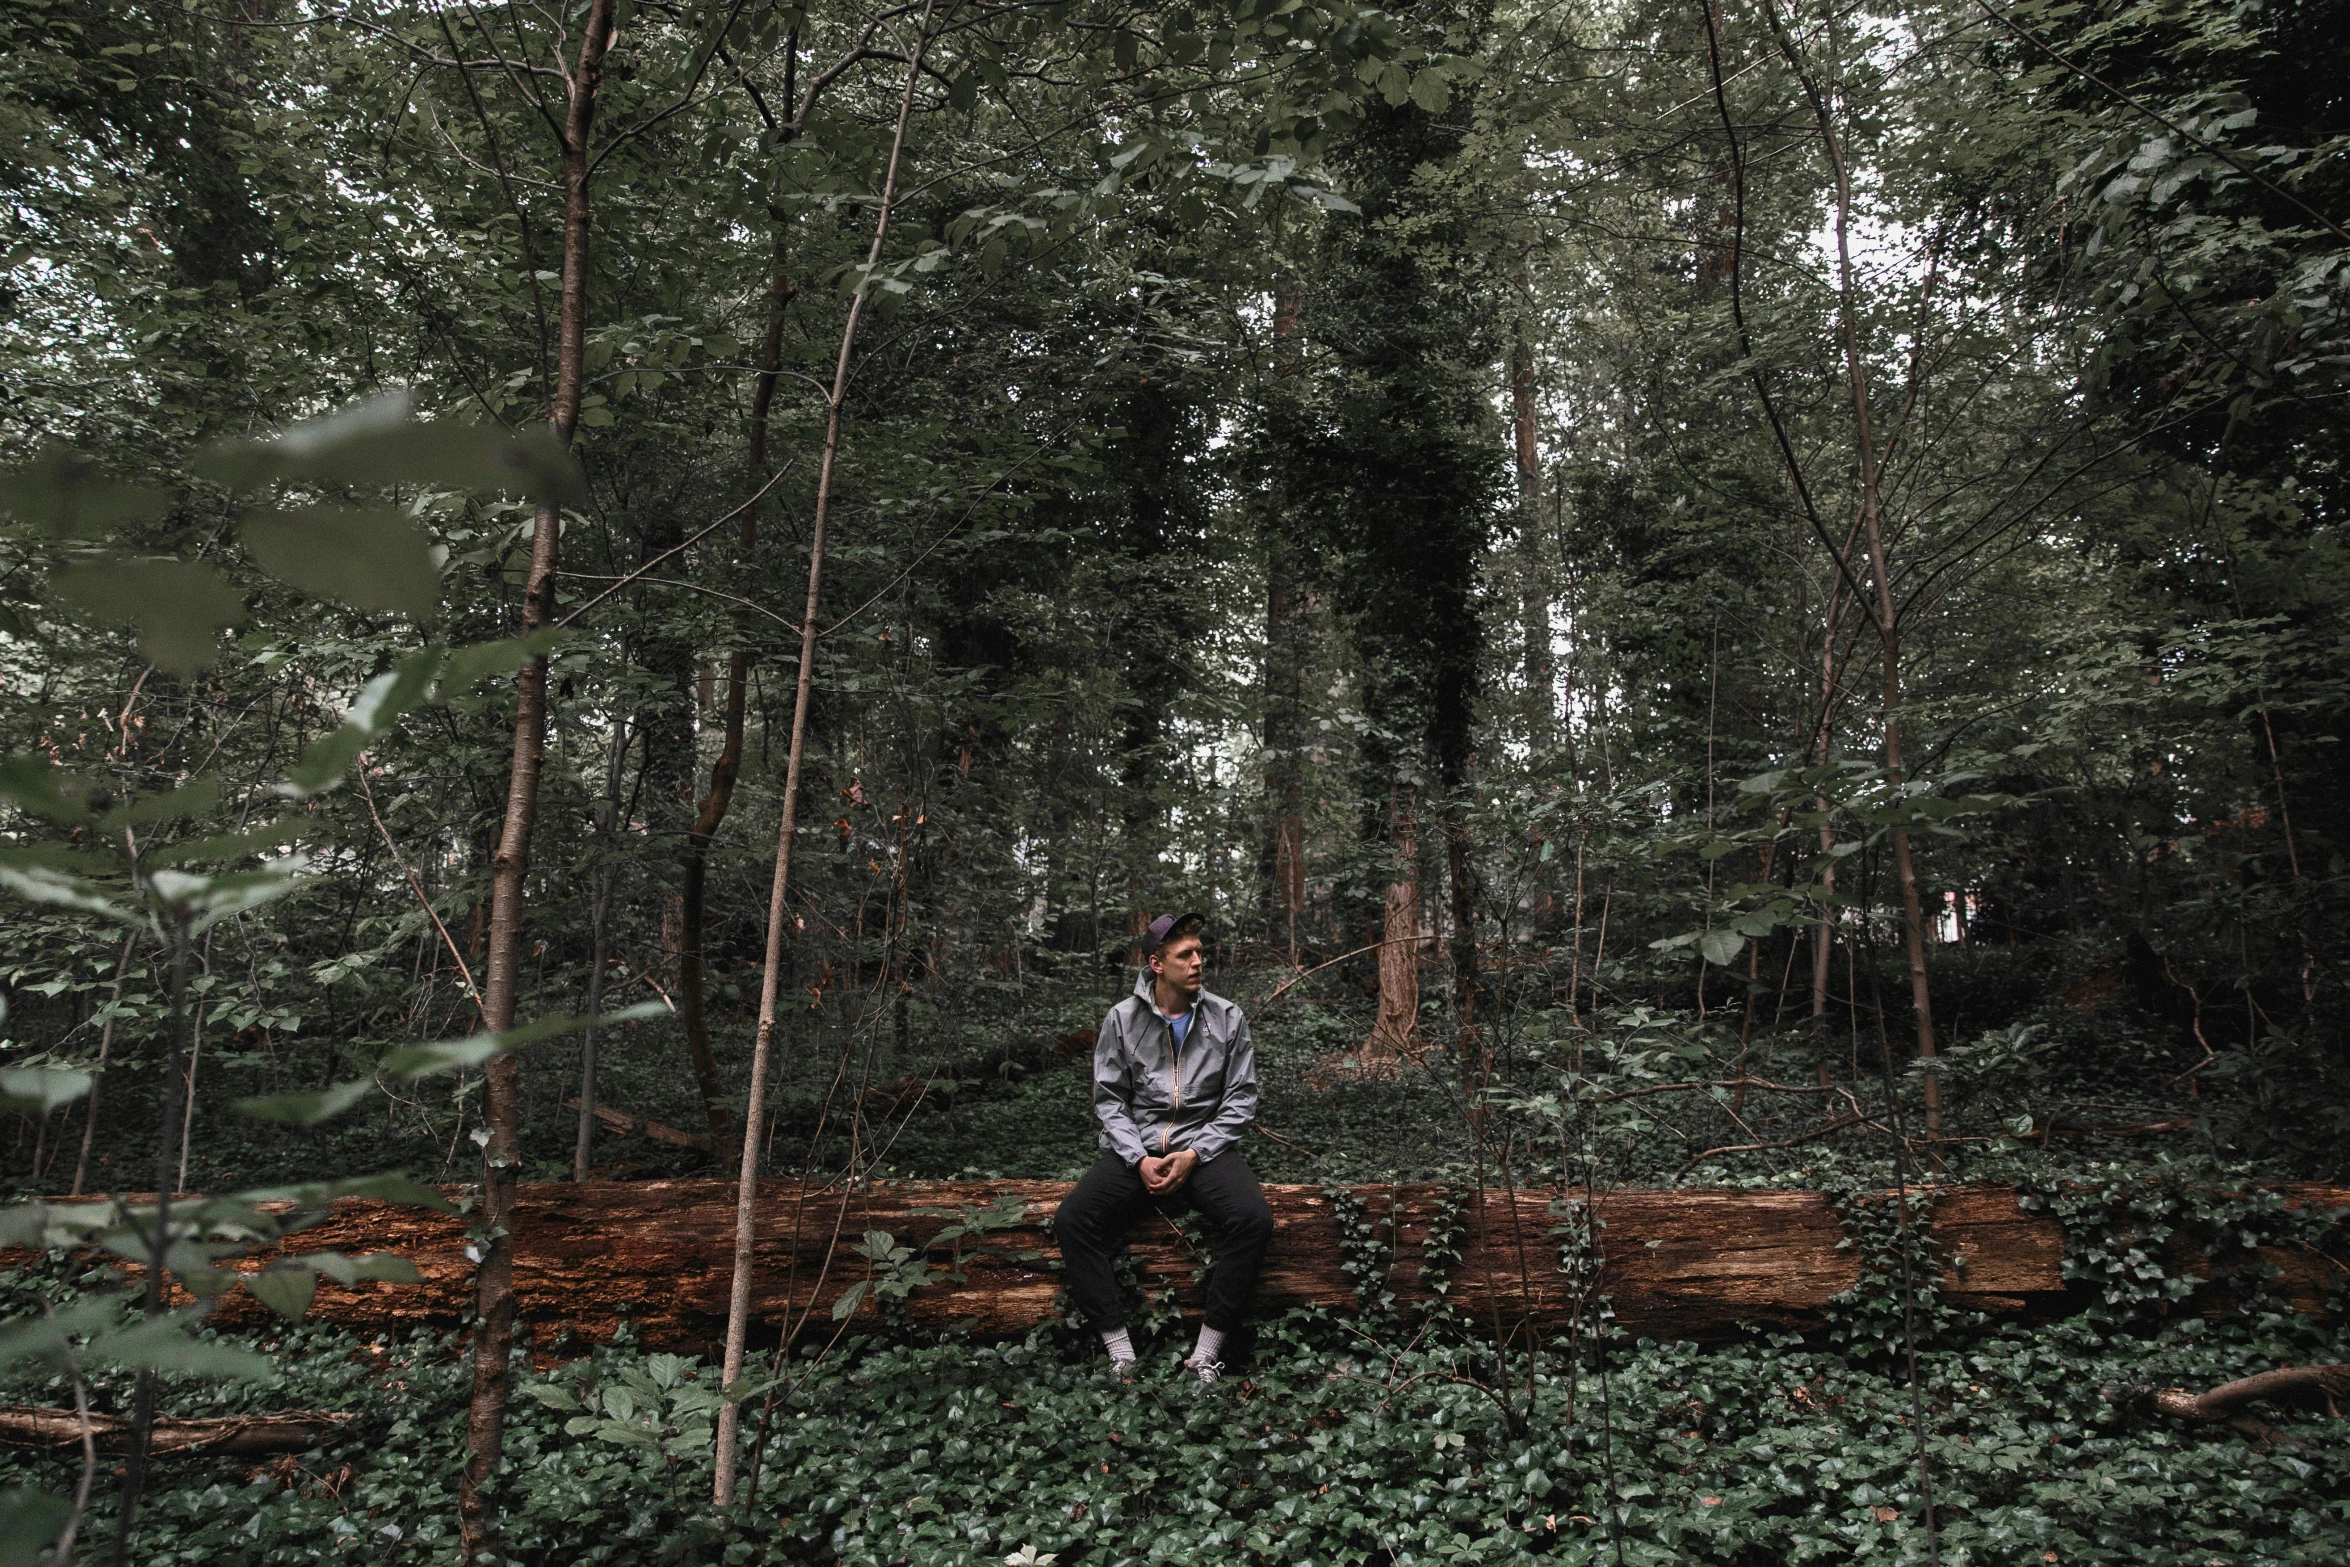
<point>464,972</point>
<point>1813,1135</point>
<point>623,581</point>
<point>1341,958</point>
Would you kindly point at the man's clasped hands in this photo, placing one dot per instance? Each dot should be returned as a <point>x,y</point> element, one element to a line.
<point>1164,1174</point>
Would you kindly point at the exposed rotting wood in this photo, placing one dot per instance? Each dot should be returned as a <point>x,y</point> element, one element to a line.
<point>241,1436</point>
<point>1696,1264</point>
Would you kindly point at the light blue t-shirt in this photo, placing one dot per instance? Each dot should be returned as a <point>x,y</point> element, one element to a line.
<point>1180,1025</point>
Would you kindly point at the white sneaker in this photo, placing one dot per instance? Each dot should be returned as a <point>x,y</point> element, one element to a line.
<point>1206,1372</point>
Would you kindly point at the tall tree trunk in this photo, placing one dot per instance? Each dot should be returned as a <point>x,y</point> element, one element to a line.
<point>1398,1027</point>
<point>692,964</point>
<point>493,1338</point>
<point>1461,879</point>
<point>1824,931</point>
<point>1452,741</point>
<point>1818,747</point>
<point>738,1314</point>
<point>1542,712</point>
<point>1533,602</point>
<point>81,1163</point>
<point>1886,614</point>
<point>607,824</point>
<point>1287,629</point>
<point>159,1244</point>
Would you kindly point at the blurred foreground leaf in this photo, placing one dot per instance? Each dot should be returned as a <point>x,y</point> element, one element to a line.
<point>307,1108</point>
<point>63,494</point>
<point>35,1090</point>
<point>371,558</point>
<point>29,1521</point>
<point>178,606</point>
<point>450,1055</point>
<point>380,443</point>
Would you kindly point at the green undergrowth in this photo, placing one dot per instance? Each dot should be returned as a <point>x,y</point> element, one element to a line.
<point>1331,1444</point>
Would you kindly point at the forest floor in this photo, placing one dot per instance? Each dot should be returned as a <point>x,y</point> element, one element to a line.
<point>1340,1437</point>
<point>1336,1442</point>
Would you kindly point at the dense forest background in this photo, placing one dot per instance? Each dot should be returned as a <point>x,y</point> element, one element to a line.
<point>1789,550</point>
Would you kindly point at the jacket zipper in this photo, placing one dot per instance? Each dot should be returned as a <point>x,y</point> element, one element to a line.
<point>1175,1083</point>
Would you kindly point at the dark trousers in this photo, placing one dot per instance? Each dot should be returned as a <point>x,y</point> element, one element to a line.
<point>1093,1220</point>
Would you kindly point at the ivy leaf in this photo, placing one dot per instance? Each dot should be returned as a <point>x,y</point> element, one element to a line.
<point>376,1266</point>
<point>178,607</point>
<point>312,1195</point>
<point>381,703</point>
<point>481,660</point>
<point>230,845</point>
<point>422,676</point>
<point>369,558</point>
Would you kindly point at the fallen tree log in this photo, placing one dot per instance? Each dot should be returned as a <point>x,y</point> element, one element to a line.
<point>1693,1264</point>
<point>622,1121</point>
<point>238,1436</point>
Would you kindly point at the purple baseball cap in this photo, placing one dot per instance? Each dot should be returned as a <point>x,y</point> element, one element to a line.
<point>1155,934</point>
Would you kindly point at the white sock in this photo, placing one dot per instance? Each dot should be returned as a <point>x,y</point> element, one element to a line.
<point>1121,1347</point>
<point>1211,1345</point>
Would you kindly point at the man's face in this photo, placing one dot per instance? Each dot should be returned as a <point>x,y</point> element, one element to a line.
<point>1181,963</point>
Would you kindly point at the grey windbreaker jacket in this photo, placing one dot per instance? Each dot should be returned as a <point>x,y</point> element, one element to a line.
<point>1153,1099</point>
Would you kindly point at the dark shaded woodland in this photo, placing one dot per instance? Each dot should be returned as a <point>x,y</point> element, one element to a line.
<point>1706,595</point>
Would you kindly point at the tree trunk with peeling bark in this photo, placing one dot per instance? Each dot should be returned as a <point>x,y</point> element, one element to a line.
<point>493,1339</point>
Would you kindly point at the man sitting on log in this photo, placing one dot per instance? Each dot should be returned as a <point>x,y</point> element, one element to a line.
<point>1174,1082</point>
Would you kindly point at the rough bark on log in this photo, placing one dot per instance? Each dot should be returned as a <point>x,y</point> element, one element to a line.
<point>2310,1387</point>
<point>240,1436</point>
<point>1693,1264</point>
